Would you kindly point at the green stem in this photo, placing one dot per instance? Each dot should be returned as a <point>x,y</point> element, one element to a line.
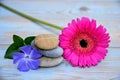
<point>31,18</point>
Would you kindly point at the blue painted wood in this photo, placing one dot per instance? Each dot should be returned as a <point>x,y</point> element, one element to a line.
<point>106,12</point>
<point>109,68</point>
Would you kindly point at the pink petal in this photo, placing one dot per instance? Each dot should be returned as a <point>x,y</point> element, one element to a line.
<point>80,26</point>
<point>86,23</point>
<point>67,53</point>
<point>84,61</point>
<point>97,56</point>
<point>73,26</point>
<point>105,36</point>
<point>85,20</point>
<point>67,32</point>
<point>74,59</point>
<point>93,26</point>
<point>62,38</point>
<point>104,45</point>
<point>94,60</point>
<point>99,30</point>
<point>101,50</point>
<point>64,44</point>
<point>70,57</point>
<point>88,61</point>
<point>104,41</point>
<point>81,59</point>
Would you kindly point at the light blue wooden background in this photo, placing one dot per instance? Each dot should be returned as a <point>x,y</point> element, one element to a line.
<point>60,12</point>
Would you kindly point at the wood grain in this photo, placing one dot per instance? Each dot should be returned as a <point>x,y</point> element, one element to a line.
<point>105,12</point>
<point>105,70</point>
<point>60,12</point>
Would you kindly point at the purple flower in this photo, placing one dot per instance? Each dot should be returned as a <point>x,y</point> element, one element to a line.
<point>27,58</point>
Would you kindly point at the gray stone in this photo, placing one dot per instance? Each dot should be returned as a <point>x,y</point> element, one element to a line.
<point>56,52</point>
<point>50,62</point>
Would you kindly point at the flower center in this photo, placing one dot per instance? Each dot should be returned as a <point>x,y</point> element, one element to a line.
<point>83,43</point>
<point>26,56</point>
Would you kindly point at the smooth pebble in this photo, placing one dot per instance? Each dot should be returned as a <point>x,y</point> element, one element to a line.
<point>52,53</point>
<point>46,41</point>
<point>56,52</point>
<point>50,62</point>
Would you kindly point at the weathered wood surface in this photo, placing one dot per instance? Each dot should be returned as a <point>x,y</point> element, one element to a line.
<point>60,12</point>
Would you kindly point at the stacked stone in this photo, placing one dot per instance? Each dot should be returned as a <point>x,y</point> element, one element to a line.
<point>47,44</point>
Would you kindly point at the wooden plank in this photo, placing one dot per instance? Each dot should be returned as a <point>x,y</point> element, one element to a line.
<point>108,69</point>
<point>106,13</point>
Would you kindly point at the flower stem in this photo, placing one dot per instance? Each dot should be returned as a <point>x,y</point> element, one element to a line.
<point>30,17</point>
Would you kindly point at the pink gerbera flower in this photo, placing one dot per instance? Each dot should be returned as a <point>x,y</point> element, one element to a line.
<point>84,44</point>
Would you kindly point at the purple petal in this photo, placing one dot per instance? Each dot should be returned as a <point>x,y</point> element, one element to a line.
<point>26,49</point>
<point>22,66</point>
<point>33,64</point>
<point>17,56</point>
<point>35,54</point>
